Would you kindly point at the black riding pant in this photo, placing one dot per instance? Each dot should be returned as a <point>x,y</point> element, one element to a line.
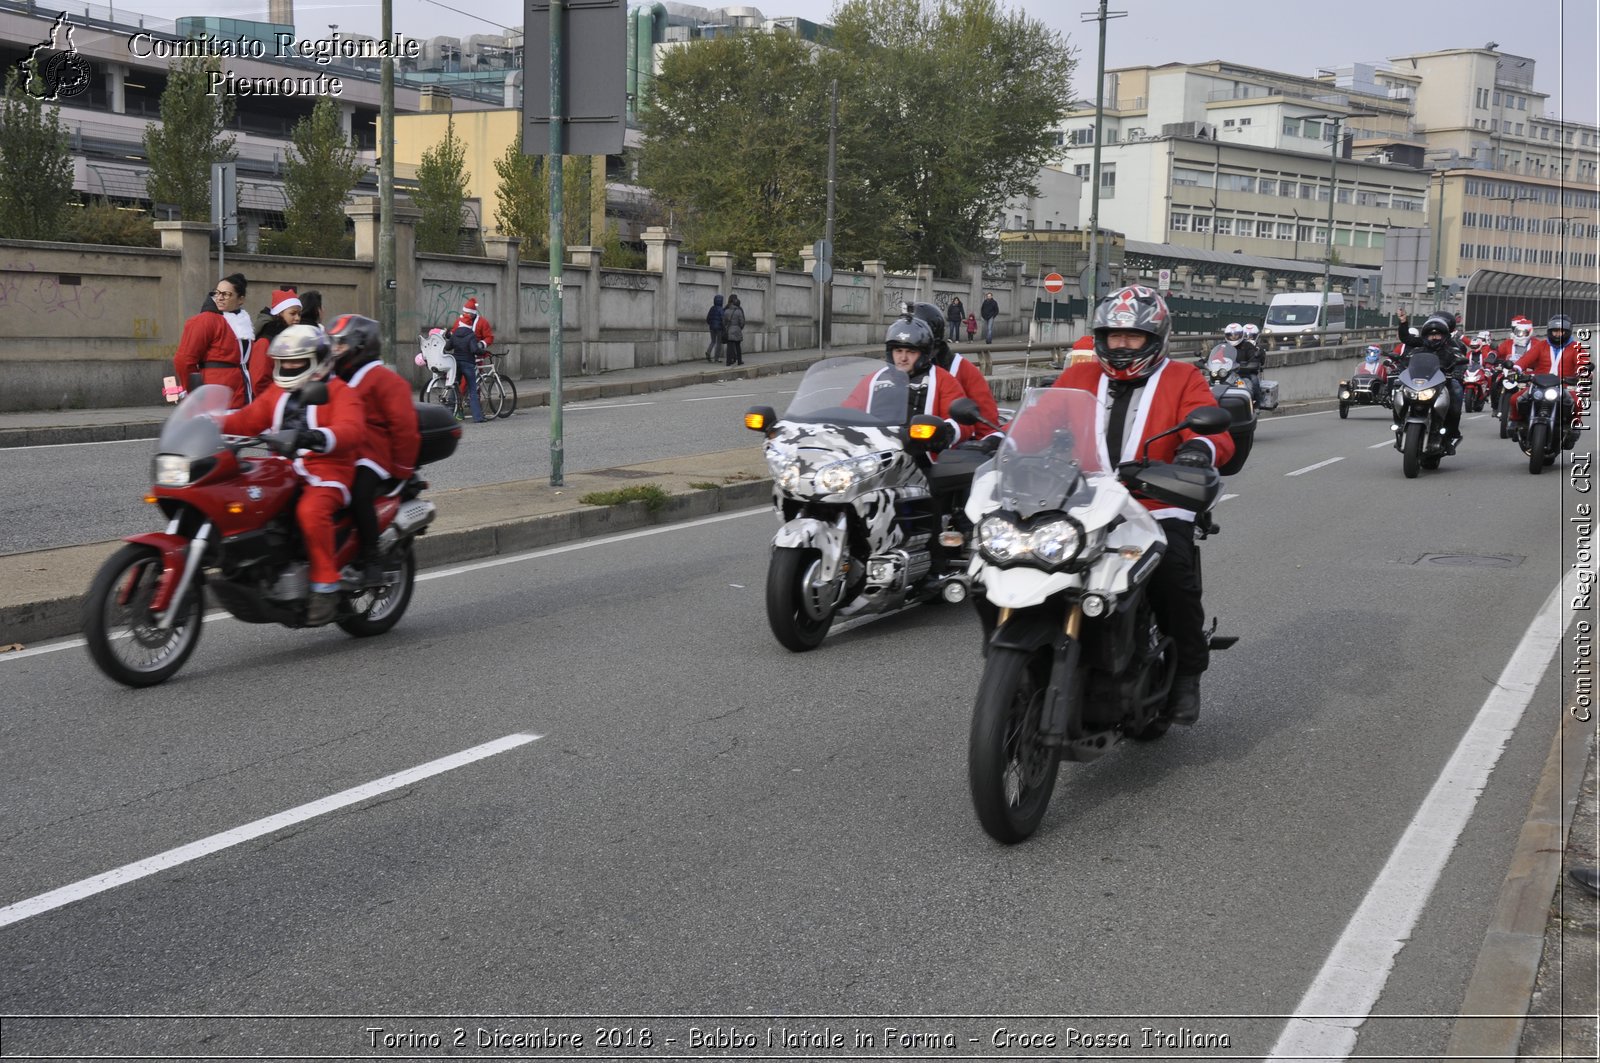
<point>1174,594</point>
<point>364,494</point>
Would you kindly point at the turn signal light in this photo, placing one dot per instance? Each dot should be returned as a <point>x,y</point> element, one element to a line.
<point>150,499</point>
<point>923,432</point>
<point>756,421</point>
<point>235,508</point>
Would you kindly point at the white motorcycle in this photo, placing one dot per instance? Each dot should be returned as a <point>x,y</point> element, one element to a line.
<point>1232,392</point>
<point>1065,552</point>
<point>870,522</point>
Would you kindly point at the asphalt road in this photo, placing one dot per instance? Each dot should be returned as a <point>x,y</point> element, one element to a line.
<point>69,494</point>
<point>710,826</point>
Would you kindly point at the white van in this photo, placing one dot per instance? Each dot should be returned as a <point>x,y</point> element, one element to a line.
<point>1295,314</point>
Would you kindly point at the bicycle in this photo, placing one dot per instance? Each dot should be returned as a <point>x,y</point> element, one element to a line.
<point>497,394</point>
<point>494,390</point>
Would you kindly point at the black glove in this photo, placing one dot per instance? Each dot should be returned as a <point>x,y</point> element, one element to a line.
<point>1193,453</point>
<point>310,439</point>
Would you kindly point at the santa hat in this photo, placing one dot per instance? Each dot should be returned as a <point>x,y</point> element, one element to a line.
<point>281,301</point>
<point>1519,320</point>
<point>471,307</point>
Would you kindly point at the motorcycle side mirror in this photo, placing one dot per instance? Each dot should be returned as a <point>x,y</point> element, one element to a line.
<point>965,411</point>
<point>315,393</point>
<point>760,418</point>
<point>1208,420</point>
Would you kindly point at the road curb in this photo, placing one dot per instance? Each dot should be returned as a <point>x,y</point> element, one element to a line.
<point>32,622</point>
<point>1495,1007</point>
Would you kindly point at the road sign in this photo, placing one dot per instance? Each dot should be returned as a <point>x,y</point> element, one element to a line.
<point>1164,279</point>
<point>225,201</point>
<point>822,251</point>
<point>822,272</point>
<point>1053,283</point>
<point>594,92</point>
<point>1087,282</point>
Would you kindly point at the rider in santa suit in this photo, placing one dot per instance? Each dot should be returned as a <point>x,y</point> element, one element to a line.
<point>1521,342</point>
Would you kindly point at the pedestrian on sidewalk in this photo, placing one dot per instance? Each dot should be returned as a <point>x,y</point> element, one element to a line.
<point>972,326</point>
<point>310,307</point>
<point>714,322</point>
<point>216,342</point>
<point>956,314</point>
<point>281,311</point>
<point>989,310</point>
<point>733,330</point>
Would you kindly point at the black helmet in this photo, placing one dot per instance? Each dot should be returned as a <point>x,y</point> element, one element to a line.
<point>1139,309</point>
<point>909,331</point>
<point>355,338</point>
<point>1436,330</point>
<point>929,315</point>
<point>1560,323</point>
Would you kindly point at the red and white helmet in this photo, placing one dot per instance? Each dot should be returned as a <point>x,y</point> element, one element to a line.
<point>1521,328</point>
<point>1139,309</point>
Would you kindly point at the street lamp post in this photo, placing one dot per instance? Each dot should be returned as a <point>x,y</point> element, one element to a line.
<point>1333,197</point>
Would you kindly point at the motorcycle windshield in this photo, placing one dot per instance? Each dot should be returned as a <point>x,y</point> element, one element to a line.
<point>195,428</point>
<point>851,391</point>
<point>1051,441</point>
<point>1423,370</point>
<point>1220,359</point>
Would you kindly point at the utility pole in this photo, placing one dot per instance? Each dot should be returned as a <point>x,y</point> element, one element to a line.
<point>1092,297</point>
<point>386,279</point>
<point>557,250</point>
<point>827,230</point>
<point>1438,247</point>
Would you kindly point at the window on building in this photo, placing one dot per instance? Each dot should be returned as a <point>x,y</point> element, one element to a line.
<point>1182,175</point>
<point>1308,191</point>
<point>1291,127</point>
<point>1322,234</point>
<point>1544,133</point>
<point>1224,226</point>
<point>1465,251</point>
<point>1378,240</point>
<point>1344,195</point>
<point>1202,223</point>
<point>1244,121</point>
<point>1313,130</point>
<point>1286,230</point>
<point>1227,123</point>
<point>1108,180</point>
<point>1519,129</point>
<point>1263,230</point>
<point>1522,103</point>
<point>1497,99</point>
<point>1048,224</point>
<point>1267,186</point>
<point>1302,232</point>
<point>1494,125</point>
<point>1180,223</point>
<point>1082,171</point>
<point>1083,136</point>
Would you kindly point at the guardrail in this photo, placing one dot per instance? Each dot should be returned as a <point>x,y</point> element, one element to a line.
<point>1182,348</point>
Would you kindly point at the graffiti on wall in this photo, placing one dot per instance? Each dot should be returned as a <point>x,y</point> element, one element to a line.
<point>629,281</point>
<point>442,301</point>
<point>852,299</point>
<point>26,289</point>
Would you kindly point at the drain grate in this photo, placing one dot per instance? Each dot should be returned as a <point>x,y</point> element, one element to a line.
<point>1471,560</point>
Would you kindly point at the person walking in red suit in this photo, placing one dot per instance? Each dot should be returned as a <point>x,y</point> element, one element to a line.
<point>330,437</point>
<point>216,342</point>
<point>472,319</point>
<point>1143,393</point>
<point>388,456</point>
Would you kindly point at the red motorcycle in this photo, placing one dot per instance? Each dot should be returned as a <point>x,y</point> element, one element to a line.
<point>1475,383</point>
<point>231,530</point>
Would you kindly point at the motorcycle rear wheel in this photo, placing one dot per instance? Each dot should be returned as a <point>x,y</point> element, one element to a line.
<point>1411,456</point>
<point>1538,439</point>
<point>1011,775</point>
<point>1344,410</point>
<point>1505,427</point>
<point>379,609</point>
<point>795,628</point>
<point>119,628</point>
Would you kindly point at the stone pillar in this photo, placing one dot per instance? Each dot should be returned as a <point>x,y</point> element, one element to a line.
<point>722,260</point>
<point>661,258</point>
<point>1181,281</point>
<point>766,336</point>
<point>808,262</point>
<point>116,87</point>
<point>507,316</point>
<point>194,276</point>
<point>925,284</point>
<point>1258,280</point>
<point>587,259</point>
<point>1023,315</point>
<point>365,212</point>
<point>875,268</point>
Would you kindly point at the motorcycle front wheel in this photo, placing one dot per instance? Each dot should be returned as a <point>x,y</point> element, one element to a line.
<point>378,609</point>
<point>1411,456</point>
<point>1344,410</point>
<point>121,631</point>
<point>1538,438</point>
<point>787,579</point>
<point>1011,774</point>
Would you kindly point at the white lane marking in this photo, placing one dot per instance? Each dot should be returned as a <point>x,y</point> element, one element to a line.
<point>1352,978</point>
<point>94,443</point>
<point>714,398</point>
<point>1292,416</point>
<point>607,406</point>
<point>1309,468</point>
<point>1385,443</point>
<point>44,902</point>
<point>74,643</point>
<point>1224,498</point>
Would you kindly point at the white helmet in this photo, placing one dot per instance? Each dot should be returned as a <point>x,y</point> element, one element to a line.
<point>1251,332</point>
<point>300,354</point>
<point>1234,333</point>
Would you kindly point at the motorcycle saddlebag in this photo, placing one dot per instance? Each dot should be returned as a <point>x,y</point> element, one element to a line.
<point>440,433</point>
<point>1269,394</point>
<point>1243,431</point>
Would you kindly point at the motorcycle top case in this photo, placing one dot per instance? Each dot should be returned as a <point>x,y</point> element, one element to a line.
<point>440,433</point>
<point>1269,394</point>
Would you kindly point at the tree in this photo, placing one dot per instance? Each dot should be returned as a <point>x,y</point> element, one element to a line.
<point>731,143</point>
<point>319,172</point>
<point>441,192</point>
<point>186,142</point>
<point>947,108</point>
<point>523,198</point>
<point>35,165</point>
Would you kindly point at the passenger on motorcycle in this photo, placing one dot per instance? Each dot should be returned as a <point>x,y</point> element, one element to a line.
<point>1248,357</point>
<point>1557,354</point>
<point>388,457</point>
<point>1145,393</point>
<point>328,440</point>
<point>969,376</point>
<point>1374,363</point>
<point>908,347</point>
<point>1435,335</point>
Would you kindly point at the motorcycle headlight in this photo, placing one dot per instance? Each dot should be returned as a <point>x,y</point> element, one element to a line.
<point>1427,394</point>
<point>1550,394</point>
<point>1344,393</point>
<point>1001,540</point>
<point>171,470</point>
<point>842,475</point>
<point>784,469</point>
<point>1056,542</point>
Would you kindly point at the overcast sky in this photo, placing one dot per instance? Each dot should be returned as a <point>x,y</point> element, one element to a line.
<point>1294,36</point>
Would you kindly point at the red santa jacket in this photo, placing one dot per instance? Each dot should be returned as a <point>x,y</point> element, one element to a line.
<point>1542,358</point>
<point>392,439</point>
<point>971,379</point>
<point>210,347</point>
<point>943,389</point>
<point>341,420</point>
<point>1172,391</point>
<point>478,324</point>
<point>1509,353</point>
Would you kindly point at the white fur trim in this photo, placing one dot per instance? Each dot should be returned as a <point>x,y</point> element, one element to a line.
<point>361,373</point>
<point>285,305</point>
